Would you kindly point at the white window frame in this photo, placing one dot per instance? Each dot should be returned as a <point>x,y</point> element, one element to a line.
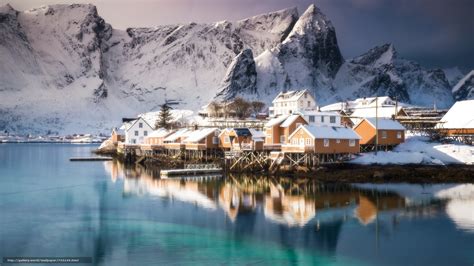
<point>352,143</point>
<point>140,125</point>
<point>338,141</point>
<point>301,141</point>
<point>294,141</point>
<point>145,133</point>
<point>215,140</point>
<point>326,142</point>
<point>308,141</point>
<point>311,119</point>
<point>136,133</point>
<point>282,138</point>
<point>226,139</point>
<point>399,135</point>
<point>322,119</point>
<point>332,119</point>
<point>384,134</point>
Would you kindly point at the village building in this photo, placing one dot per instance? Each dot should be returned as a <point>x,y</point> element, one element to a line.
<point>287,103</point>
<point>136,131</point>
<point>389,112</point>
<point>239,139</point>
<point>117,136</point>
<point>315,117</point>
<point>322,140</point>
<point>175,141</point>
<point>202,139</point>
<point>390,132</point>
<point>366,102</point>
<point>459,121</point>
<point>278,130</point>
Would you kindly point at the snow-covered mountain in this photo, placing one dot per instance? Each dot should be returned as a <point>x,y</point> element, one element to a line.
<point>464,89</point>
<point>64,69</point>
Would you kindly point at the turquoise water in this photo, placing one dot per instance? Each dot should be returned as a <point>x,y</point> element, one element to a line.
<point>127,216</point>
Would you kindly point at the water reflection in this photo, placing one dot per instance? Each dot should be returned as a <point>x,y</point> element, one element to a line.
<point>302,202</point>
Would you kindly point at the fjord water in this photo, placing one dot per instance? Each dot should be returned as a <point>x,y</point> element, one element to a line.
<point>128,216</point>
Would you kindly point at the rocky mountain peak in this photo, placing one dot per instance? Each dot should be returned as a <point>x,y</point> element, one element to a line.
<point>241,77</point>
<point>464,89</point>
<point>377,56</point>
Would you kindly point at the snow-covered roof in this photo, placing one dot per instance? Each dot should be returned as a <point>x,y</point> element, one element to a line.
<point>385,124</point>
<point>159,133</point>
<point>328,132</point>
<point>176,135</point>
<point>276,121</point>
<point>384,111</point>
<point>257,134</point>
<point>367,102</point>
<point>290,95</point>
<point>127,125</point>
<point>319,113</point>
<point>290,120</point>
<point>461,115</point>
<point>198,135</point>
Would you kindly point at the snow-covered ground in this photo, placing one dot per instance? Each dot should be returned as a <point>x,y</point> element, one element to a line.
<point>419,150</point>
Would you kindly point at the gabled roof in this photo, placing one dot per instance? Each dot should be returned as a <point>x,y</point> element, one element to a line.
<point>290,95</point>
<point>383,124</point>
<point>160,133</point>
<point>257,134</point>
<point>176,135</point>
<point>460,115</point>
<point>290,120</point>
<point>328,132</point>
<point>127,125</point>
<point>276,121</point>
<point>198,135</point>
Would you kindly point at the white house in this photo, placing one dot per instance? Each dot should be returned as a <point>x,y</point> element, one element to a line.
<point>136,131</point>
<point>286,103</point>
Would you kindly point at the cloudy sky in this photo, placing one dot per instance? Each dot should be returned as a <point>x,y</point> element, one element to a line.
<point>437,33</point>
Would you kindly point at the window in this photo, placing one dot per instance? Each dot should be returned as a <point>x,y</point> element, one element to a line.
<point>294,141</point>
<point>282,139</point>
<point>311,118</point>
<point>352,142</point>
<point>326,142</point>
<point>301,141</point>
<point>306,96</point>
<point>145,133</point>
<point>308,141</point>
<point>215,140</point>
<point>338,141</point>
<point>399,135</point>
<point>384,134</point>
<point>322,119</point>
<point>140,125</point>
<point>134,141</point>
<point>136,132</point>
<point>309,103</point>
<point>226,139</point>
<point>332,119</point>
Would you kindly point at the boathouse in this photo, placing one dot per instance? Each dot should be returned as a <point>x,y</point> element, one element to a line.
<point>458,122</point>
<point>175,141</point>
<point>238,139</point>
<point>158,136</point>
<point>322,140</point>
<point>202,139</point>
<point>390,132</point>
<point>117,136</point>
<point>278,130</point>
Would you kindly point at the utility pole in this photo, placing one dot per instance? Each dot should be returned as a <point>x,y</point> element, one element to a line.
<point>376,124</point>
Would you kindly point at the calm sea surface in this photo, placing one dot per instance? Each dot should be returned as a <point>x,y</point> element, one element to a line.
<point>128,216</point>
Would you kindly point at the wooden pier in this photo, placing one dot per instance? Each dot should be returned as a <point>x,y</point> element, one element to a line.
<point>192,170</point>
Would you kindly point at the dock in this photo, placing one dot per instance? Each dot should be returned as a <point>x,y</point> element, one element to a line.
<point>192,170</point>
<point>90,159</point>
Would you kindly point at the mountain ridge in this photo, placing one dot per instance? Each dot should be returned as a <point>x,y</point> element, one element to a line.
<point>67,70</point>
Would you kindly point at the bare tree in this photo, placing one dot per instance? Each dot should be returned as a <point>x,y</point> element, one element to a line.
<point>241,107</point>
<point>215,109</point>
<point>257,107</point>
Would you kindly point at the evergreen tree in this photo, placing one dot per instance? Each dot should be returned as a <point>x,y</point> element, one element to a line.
<point>164,119</point>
